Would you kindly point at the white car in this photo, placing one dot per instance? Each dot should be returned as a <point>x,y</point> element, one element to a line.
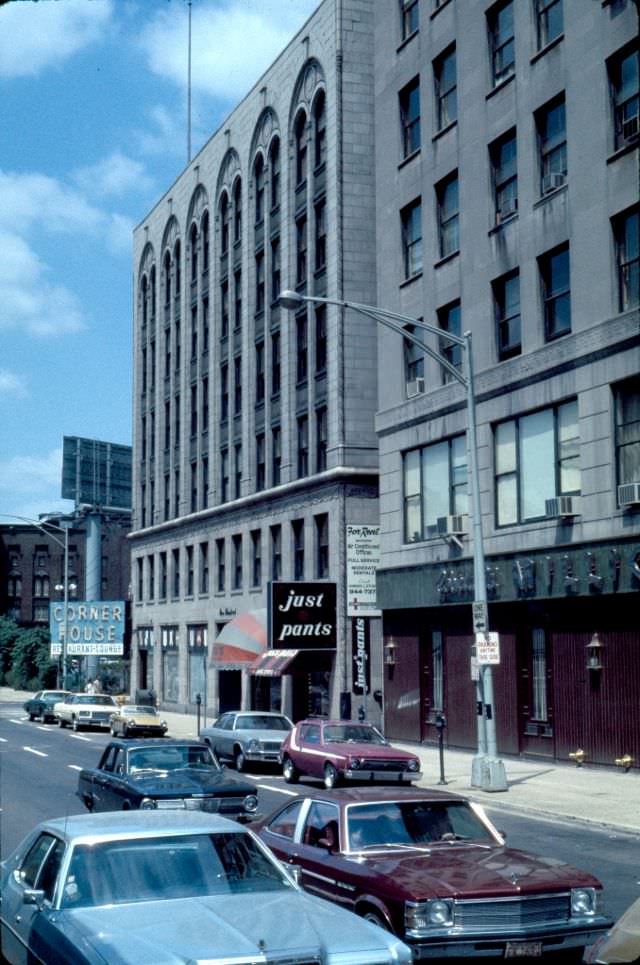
<point>85,710</point>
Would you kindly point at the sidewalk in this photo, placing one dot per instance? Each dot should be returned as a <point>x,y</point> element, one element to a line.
<point>599,795</point>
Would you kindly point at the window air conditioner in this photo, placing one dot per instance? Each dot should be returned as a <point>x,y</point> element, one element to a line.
<point>630,129</point>
<point>452,525</point>
<point>562,506</point>
<point>415,387</point>
<point>552,181</point>
<point>629,494</point>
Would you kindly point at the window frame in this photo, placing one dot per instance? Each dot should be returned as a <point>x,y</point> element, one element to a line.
<point>458,492</point>
<point>550,295</point>
<point>505,348</point>
<point>445,92</point>
<point>552,147</point>
<point>627,263</point>
<point>543,35</point>
<point>448,210</point>
<point>504,173</point>
<point>411,234</point>
<point>500,39</point>
<point>410,130</point>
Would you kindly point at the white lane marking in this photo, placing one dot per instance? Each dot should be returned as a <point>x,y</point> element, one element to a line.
<point>78,737</point>
<point>280,790</point>
<point>32,750</point>
<point>4,740</point>
<point>74,767</point>
<point>42,727</point>
<point>12,720</point>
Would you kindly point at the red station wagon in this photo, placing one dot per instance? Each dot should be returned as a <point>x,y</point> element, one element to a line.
<point>337,750</point>
<point>430,867</point>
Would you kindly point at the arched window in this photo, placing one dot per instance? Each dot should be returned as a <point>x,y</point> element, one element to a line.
<point>152,285</point>
<point>237,210</point>
<point>274,164</point>
<point>259,187</point>
<point>145,305</point>
<point>193,238</point>
<point>167,278</point>
<point>300,132</point>
<point>176,260</point>
<point>204,227</point>
<point>319,130</point>
<point>224,224</point>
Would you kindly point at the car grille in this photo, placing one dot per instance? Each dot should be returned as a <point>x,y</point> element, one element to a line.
<point>273,746</point>
<point>212,805</point>
<point>94,715</point>
<point>384,764</point>
<point>489,916</point>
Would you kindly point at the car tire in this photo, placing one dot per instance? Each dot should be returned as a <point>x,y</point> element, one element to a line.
<point>61,723</point>
<point>290,771</point>
<point>239,760</point>
<point>125,731</point>
<point>376,918</point>
<point>41,717</point>
<point>331,776</point>
<point>32,716</point>
<point>113,731</point>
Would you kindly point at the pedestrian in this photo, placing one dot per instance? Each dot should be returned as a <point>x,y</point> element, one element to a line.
<point>97,689</point>
<point>90,688</point>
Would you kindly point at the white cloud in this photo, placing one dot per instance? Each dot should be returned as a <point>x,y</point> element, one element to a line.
<point>29,476</point>
<point>29,300</point>
<point>29,199</point>
<point>114,175</point>
<point>12,384</point>
<point>34,36</point>
<point>233,42</point>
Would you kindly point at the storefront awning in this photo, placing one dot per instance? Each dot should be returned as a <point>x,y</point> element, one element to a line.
<point>274,663</point>
<point>242,640</point>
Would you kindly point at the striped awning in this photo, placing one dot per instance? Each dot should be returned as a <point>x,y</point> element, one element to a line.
<point>242,640</point>
<point>274,663</point>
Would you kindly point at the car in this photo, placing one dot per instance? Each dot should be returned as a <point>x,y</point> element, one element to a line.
<point>41,705</point>
<point>622,943</point>
<point>164,774</point>
<point>85,710</point>
<point>338,750</point>
<point>143,888</point>
<point>243,736</point>
<point>430,867</point>
<point>132,719</point>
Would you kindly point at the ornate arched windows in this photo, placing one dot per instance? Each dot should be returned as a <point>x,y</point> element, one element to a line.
<point>224,223</point>
<point>237,210</point>
<point>274,164</point>
<point>258,180</point>
<point>300,140</point>
<point>319,130</point>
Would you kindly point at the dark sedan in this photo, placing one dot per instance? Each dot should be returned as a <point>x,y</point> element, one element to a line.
<point>165,774</point>
<point>430,867</point>
<point>40,706</point>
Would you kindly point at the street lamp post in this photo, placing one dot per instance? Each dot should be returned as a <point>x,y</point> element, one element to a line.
<point>488,772</point>
<point>46,528</point>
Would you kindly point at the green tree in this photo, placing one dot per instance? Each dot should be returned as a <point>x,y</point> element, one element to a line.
<point>9,633</point>
<point>31,666</point>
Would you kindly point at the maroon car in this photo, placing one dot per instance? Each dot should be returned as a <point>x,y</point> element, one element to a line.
<point>337,750</point>
<point>430,867</point>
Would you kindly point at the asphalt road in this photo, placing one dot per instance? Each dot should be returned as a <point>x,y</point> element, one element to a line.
<point>38,778</point>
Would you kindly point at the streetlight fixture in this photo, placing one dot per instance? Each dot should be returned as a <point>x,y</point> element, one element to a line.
<point>487,772</point>
<point>46,526</point>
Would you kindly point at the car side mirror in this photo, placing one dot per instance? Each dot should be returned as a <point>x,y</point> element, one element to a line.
<point>32,896</point>
<point>503,834</point>
<point>295,871</point>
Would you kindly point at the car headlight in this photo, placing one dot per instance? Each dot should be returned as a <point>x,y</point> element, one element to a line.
<point>131,723</point>
<point>583,901</point>
<point>148,804</point>
<point>422,916</point>
<point>250,802</point>
<point>253,745</point>
<point>164,724</point>
<point>355,763</point>
<point>413,765</point>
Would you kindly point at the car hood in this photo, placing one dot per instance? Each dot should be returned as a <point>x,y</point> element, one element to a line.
<point>371,751</point>
<point>149,720</point>
<point>244,927</point>
<point>191,780</point>
<point>474,871</point>
<point>261,735</point>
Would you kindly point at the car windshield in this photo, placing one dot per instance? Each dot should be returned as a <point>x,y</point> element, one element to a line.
<point>411,823</point>
<point>163,868</point>
<point>170,758</point>
<point>94,699</point>
<point>53,694</point>
<point>135,709</point>
<point>359,733</point>
<point>262,722</point>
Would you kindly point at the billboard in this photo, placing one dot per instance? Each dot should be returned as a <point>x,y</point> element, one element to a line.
<point>303,615</point>
<point>96,473</point>
<point>94,628</point>
<point>363,559</point>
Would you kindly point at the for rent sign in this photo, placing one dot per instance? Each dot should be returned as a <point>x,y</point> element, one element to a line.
<point>94,628</point>
<point>363,559</point>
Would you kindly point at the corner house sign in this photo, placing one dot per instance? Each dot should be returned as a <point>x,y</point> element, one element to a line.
<point>94,627</point>
<point>303,615</point>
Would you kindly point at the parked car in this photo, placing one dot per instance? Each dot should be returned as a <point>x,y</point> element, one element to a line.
<point>130,719</point>
<point>85,710</point>
<point>41,705</point>
<point>622,944</point>
<point>143,888</point>
<point>431,868</point>
<point>164,774</point>
<point>338,750</point>
<point>243,736</point>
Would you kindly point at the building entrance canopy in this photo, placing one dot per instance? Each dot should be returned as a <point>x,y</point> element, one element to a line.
<point>242,640</point>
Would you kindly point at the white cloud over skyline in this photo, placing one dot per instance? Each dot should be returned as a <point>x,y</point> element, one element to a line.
<point>113,176</point>
<point>36,36</point>
<point>12,384</point>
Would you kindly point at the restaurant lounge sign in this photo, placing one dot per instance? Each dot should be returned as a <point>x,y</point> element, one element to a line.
<point>303,615</point>
<point>93,627</point>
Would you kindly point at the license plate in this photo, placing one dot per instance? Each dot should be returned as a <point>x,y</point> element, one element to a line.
<point>523,950</point>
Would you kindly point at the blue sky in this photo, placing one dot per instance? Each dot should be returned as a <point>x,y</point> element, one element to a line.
<point>93,121</point>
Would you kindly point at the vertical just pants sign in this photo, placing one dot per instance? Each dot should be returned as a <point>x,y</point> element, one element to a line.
<point>360,654</point>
